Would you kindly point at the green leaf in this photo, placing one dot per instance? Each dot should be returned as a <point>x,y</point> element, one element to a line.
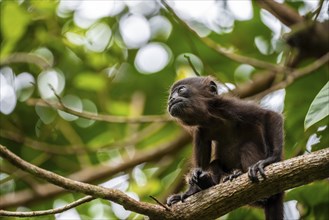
<point>14,22</point>
<point>319,108</point>
<point>90,81</point>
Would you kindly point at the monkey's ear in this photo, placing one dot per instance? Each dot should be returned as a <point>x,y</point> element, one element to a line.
<point>213,88</point>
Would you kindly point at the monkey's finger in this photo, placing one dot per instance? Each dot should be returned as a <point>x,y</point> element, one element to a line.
<point>173,199</point>
<point>261,170</point>
<point>238,173</point>
<point>225,179</point>
<point>252,174</point>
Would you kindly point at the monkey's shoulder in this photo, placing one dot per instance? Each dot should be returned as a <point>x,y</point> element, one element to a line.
<point>245,111</point>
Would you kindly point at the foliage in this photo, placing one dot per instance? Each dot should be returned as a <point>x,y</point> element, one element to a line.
<point>55,52</point>
<point>319,107</point>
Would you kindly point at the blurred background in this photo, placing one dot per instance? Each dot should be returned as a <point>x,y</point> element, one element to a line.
<point>84,86</point>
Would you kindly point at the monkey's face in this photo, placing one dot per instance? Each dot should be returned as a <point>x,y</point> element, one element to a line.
<point>189,99</point>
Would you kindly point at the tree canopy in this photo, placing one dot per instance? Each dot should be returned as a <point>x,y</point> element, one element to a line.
<point>83,94</point>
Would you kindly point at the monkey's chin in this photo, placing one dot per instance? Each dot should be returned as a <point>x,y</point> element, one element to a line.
<point>176,110</point>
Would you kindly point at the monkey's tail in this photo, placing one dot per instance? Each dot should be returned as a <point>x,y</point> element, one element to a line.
<point>274,207</point>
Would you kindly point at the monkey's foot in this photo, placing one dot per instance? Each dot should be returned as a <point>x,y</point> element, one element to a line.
<point>201,178</point>
<point>232,176</point>
<point>174,199</point>
<point>254,169</point>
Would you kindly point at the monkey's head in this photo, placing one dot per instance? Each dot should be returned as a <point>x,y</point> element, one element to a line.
<point>189,99</point>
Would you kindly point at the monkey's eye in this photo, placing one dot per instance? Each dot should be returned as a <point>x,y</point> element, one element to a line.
<point>181,90</point>
<point>213,89</point>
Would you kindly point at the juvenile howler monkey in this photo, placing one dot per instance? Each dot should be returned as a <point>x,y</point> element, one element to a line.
<point>230,137</point>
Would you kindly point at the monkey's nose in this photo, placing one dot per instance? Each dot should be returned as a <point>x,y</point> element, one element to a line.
<point>174,95</point>
<point>170,101</point>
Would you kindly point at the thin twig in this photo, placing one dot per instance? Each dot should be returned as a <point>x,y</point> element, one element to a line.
<point>318,10</point>
<point>56,95</point>
<point>221,50</point>
<point>160,203</point>
<point>100,117</point>
<point>133,139</point>
<point>49,211</point>
<point>26,58</point>
<point>294,75</point>
<point>191,64</point>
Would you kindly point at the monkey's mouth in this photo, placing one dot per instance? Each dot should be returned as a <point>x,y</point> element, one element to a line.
<point>173,104</point>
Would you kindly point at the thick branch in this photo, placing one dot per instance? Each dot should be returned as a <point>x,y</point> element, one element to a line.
<point>283,12</point>
<point>223,198</point>
<point>207,204</point>
<point>262,81</point>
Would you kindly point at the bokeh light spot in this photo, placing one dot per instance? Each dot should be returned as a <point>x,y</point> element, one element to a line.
<point>7,91</point>
<point>135,30</point>
<point>24,84</point>
<point>98,37</point>
<point>160,27</point>
<point>48,80</point>
<point>152,58</point>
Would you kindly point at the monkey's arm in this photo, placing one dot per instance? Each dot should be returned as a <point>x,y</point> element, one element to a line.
<point>202,150</point>
<point>199,178</point>
<point>274,142</point>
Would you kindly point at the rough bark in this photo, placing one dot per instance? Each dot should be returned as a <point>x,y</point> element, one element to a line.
<point>223,198</point>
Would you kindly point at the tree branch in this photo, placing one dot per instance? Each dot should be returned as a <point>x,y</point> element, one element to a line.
<point>210,203</point>
<point>294,75</point>
<point>281,176</point>
<point>95,174</point>
<point>283,12</point>
<point>132,139</point>
<point>114,195</point>
<point>99,117</point>
<point>27,58</point>
<point>48,212</point>
<point>221,50</point>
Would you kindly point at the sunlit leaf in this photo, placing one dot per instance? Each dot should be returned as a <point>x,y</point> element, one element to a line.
<point>89,81</point>
<point>46,114</point>
<point>319,108</point>
<point>14,21</point>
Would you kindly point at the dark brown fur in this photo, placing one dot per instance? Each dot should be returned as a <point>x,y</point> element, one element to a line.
<point>230,137</point>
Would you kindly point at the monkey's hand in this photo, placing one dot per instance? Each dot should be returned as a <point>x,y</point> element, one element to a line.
<point>232,175</point>
<point>198,181</point>
<point>201,179</point>
<point>257,167</point>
